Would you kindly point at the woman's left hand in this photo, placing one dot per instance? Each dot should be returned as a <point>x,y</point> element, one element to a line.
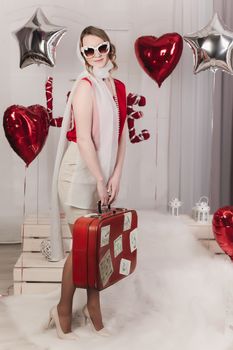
<point>113,187</point>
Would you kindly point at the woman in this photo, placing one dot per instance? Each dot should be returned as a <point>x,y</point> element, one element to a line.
<point>91,167</point>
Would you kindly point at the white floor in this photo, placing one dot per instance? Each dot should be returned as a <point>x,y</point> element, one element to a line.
<point>178,298</point>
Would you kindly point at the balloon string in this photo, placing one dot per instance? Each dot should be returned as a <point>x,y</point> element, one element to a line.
<point>213,93</point>
<point>176,7</point>
<point>24,193</point>
<point>156,148</point>
<point>37,194</point>
<point>224,14</point>
<point>169,141</point>
<point>181,105</point>
<point>23,234</point>
<point>212,137</point>
<point>212,117</point>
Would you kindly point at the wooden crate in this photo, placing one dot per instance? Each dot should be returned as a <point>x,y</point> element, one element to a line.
<point>203,232</point>
<point>33,273</point>
<point>35,230</point>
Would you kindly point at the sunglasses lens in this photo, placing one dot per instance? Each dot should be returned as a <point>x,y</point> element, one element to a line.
<point>103,48</point>
<point>89,52</point>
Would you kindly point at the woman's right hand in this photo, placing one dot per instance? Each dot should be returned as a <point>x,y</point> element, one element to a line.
<point>102,191</point>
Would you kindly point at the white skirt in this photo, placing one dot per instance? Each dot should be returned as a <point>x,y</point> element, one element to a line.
<point>77,188</point>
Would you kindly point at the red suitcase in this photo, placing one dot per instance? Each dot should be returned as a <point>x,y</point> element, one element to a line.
<point>104,248</point>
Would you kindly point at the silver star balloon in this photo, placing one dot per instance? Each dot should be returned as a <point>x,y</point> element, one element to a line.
<point>212,47</point>
<point>38,40</point>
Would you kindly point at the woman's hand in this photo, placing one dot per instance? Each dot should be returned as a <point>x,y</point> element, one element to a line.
<point>102,191</point>
<point>113,187</point>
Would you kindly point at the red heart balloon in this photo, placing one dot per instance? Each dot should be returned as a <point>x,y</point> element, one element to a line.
<point>222,225</point>
<point>159,56</point>
<point>26,129</point>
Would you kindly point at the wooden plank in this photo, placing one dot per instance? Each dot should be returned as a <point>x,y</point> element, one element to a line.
<point>215,248</point>
<point>205,243</point>
<point>37,274</point>
<point>33,267</point>
<point>34,244</point>
<point>17,274</point>
<point>28,259</point>
<point>41,274</point>
<point>17,288</point>
<point>199,230</point>
<point>42,219</point>
<point>33,230</point>
<point>18,262</point>
<point>212,245</point>
<point>222,256</point>
<point>34,288</point>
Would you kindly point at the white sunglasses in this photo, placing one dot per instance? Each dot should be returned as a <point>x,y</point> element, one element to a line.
<point>102,49</point>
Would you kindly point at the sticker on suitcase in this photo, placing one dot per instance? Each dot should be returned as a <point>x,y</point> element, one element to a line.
<point>133,239</point>
<point>125,267</point>
<point>127,221</point>
<point>106,268</point>
<point>118,246</point>
<point>104,236</point>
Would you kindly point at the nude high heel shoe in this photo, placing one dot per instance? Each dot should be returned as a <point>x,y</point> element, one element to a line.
<point>103,332</point>
<point>54,318</point>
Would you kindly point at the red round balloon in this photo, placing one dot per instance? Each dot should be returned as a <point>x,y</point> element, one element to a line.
<point>26,129</point>
<point>222,225</point>
<point>159,56</point>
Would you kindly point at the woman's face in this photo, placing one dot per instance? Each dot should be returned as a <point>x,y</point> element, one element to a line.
<point>98,60</point>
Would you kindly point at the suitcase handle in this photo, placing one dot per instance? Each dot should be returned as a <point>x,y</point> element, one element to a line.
<point>100,207</point>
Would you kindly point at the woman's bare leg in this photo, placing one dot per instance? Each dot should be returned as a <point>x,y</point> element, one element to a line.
<point>64,306</point>
<point>93,304</point>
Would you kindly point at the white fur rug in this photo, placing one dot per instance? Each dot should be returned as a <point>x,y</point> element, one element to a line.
<point>176,299</point>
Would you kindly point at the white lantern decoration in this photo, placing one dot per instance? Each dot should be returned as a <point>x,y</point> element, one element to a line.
<point>201,211</point>
<point>45,248</point>
<point>174,206</point>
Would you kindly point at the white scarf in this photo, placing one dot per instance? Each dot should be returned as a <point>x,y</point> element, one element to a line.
<point>108,126</point>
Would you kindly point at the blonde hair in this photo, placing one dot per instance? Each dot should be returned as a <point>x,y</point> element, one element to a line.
<point>90,30</point>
